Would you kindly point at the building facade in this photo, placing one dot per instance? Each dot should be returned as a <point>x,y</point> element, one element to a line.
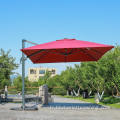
<point>35,73</point>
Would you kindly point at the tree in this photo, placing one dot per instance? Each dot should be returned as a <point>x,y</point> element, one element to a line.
<point>54,82</point>
<point>79,79</point>
<point>7,65</point>
<point>113,71</point>
<point>44,79</point>
<point>18,83</point>
<point>67,80</point>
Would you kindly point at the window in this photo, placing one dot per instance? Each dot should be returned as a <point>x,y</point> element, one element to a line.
<point>32,71</point>
<point>53,71</point>
<point>41,71</point>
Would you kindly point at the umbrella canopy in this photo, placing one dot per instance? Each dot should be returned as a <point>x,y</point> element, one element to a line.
<point>66,50</point>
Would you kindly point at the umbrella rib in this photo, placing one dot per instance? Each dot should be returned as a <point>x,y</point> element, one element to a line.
<point>66,55</point>
<point>62,53</point>
<point>56,53</point>
<point>42,56</point>
<point>53,53</point>
<point>36,53</point>
<point>88,54</point>
<point>96,51</point>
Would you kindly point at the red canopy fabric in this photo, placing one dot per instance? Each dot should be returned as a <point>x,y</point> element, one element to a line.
<point>66,50</point>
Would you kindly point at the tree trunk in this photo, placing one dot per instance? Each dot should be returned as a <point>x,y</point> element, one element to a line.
<point>100,96</point>
<point>78,92</point>
<point>118,93</point>
<point>112,92</point>
<point>67,92</point>
<point>90,92</point>
<point>74,92</point>
<point>71,93</point>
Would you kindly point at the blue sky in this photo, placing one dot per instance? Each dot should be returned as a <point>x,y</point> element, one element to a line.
<point>43,21</point>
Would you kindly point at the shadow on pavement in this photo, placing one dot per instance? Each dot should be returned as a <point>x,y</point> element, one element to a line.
<point>73,105</point>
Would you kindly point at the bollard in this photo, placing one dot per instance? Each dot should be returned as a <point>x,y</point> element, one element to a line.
<point>43,92</point>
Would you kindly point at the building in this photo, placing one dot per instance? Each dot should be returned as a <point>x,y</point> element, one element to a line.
<point>35,73</point>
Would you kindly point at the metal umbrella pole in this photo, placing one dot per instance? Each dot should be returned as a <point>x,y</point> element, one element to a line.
<point>23,76</point>
<point>23,72</point>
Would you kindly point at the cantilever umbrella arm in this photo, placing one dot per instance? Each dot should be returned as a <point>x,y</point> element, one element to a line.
<point>23,59</point>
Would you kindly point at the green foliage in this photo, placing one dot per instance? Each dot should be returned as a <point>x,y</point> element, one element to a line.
<point>13,91</point>
<point>67,79</point>
<point>58,91</point>
<point>112,77</point>
<point>111,100</point>
<point>41,81</point>
<point>7,65</point>
<point>33,84</point>
<point>18,83</point>
<point>44,79</point>
<point>54,81</point>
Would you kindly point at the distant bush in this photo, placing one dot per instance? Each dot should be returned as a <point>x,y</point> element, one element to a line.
<point>111,100</point>
<point>59,91</point>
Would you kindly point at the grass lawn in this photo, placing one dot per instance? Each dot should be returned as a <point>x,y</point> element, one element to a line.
<point>107,101</point>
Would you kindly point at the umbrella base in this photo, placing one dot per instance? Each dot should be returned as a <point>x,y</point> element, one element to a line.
<point>27,108</point>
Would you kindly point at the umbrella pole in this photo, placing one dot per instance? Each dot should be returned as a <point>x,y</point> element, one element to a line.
<point>23,72</point>
<point>23,76</point>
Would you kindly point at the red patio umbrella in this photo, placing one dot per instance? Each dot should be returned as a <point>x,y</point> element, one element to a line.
<point>66,50</point>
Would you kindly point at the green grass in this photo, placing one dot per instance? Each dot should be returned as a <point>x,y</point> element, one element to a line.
<point>111,101</point>
<point>91,100</point>
<point>107,101</point>
<point>27,91</point>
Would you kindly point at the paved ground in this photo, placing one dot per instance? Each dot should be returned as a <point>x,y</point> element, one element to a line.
<point>58,114</point>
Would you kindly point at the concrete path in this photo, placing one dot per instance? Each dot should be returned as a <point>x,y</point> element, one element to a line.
<point>58,114</point>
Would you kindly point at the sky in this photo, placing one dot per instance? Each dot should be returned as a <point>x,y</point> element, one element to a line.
<point>42,21</point>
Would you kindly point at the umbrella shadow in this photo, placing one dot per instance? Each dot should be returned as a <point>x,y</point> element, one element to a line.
<point>73,105</point>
